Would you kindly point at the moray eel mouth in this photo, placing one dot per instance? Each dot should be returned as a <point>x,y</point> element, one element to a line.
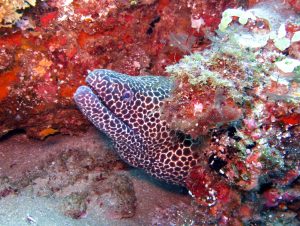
<point>97,96</point>
<point>84,94</point>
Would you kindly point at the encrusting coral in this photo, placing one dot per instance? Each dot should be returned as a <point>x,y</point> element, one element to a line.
<point>11,11</point>
<point>242,96</point>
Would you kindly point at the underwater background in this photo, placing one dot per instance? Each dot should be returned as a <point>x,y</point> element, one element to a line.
<point>234,66</point>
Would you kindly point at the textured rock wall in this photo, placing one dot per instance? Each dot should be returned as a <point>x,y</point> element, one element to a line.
<point>46,55</point>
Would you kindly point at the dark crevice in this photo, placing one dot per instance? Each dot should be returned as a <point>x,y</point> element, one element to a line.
<point>12,133</point>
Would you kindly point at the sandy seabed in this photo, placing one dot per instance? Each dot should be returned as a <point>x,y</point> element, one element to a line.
<point>77,180</point>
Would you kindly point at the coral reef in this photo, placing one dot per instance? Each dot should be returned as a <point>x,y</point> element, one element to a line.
<point>241,96</point>
<point>11,11</point>
<point>45,56</point>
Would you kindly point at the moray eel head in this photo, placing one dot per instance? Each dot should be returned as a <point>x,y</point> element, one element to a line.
<point>126,97</point>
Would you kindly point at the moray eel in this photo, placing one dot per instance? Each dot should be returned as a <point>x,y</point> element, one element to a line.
<point>127,109</point>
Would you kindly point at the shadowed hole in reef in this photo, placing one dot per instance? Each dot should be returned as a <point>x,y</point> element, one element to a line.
<point>12,133</point>
<point>264,187</point>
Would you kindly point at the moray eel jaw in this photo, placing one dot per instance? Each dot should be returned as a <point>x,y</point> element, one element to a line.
<point>127,109</point>
<point>99,97</point>
<point>94,109</point>
<point>106,121</point>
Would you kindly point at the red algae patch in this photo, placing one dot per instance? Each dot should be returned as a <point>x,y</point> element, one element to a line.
<point>7,79</point>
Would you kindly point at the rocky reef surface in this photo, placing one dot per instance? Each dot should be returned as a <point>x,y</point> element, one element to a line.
<point>45,54</point>
<point>242,97</point>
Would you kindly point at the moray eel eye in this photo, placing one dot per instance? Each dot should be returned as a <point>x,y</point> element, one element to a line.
<point>127,95</point>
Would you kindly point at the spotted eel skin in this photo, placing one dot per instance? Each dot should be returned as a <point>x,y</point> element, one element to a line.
<point>127,109</point>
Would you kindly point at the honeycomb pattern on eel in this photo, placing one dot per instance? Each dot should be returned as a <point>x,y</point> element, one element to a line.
<point>127,109</point>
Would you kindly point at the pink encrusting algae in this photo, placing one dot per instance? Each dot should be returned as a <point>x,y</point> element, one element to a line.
<point>241,96</point>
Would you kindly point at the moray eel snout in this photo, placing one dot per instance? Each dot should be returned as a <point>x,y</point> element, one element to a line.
<point>127,109</point>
